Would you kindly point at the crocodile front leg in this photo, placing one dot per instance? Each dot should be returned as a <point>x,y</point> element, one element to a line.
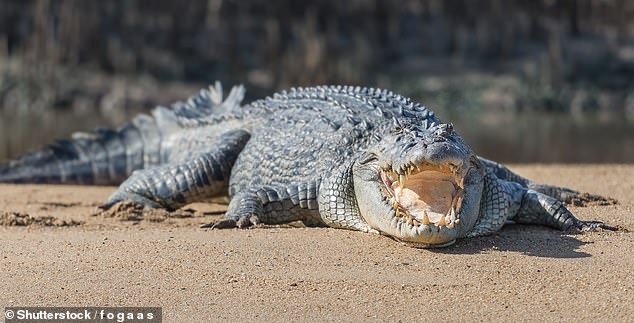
<point>503,200</point>
<point>272,204</point>
<point>196,179</point>
<point>337,202</point>
<point>538,208</point>
<point>562,194</point>
<point>328,202</point>
<point>500,201</point>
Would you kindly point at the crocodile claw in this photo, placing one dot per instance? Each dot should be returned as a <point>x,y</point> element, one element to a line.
<point>591,226</point>
<point>222,224</point>
<point>243,222</point>
<point>587,199</point>
<point>119,197</point>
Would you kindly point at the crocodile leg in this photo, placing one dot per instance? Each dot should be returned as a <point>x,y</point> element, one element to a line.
<point>331,202</point>
<point>271,204</point>
<point>338,202</point>
<point>539,208</point>
<point>503,200</point>
<point>500,201</point>
<point>175,185</point>
<point>562,194</point>
<point>569,196</point>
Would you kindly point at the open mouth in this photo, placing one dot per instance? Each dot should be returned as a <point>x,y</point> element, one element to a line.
<point>427,194</point>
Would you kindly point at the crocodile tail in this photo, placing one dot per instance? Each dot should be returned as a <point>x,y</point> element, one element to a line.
<point>107,156</point>
<point>102,157</point>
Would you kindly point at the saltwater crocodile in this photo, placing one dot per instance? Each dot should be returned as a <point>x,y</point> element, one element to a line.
<point>346,157</point>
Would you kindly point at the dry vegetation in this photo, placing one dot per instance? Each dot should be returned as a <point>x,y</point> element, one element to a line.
<point>271,45</point>
<point>109,59</point>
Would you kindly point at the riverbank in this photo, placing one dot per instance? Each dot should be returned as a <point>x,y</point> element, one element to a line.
<point>55,251</point>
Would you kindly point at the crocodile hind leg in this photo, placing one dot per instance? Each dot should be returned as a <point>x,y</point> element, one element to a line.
<point>569,196</point>
<point>562,194</point>
<point>271,204</point>
<point>175,185</point>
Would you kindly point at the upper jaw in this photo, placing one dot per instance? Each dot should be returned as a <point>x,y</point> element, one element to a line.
<point>453,166</point>
<point>445,156</point>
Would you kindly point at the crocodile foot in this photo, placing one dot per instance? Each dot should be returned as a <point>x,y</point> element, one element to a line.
<point>587,199</point>
<point>140,200</point>
<point>591,226</point>
<point>243,222</point>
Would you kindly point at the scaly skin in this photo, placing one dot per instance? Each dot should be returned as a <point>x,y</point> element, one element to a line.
<point>335,156</point>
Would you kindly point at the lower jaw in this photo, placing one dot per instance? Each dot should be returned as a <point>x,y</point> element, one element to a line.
<point>424,236</point>
<point>429,246</point>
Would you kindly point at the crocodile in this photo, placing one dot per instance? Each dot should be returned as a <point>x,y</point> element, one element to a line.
<point>347,157</point>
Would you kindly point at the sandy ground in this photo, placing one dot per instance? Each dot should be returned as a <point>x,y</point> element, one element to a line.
<point>54,251</point>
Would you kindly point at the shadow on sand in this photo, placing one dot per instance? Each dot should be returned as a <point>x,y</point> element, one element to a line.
<point>530,240</point>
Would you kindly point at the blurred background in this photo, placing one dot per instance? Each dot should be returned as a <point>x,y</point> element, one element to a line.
<point>522,81</point>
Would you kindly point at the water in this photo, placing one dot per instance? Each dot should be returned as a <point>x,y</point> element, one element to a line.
<point>549,138</point>
<point>530,138</point>
<point>20,132</point>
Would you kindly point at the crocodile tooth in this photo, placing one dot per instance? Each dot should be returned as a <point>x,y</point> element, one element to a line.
<point>414,221</point>
<point>452,217</point>
<point>458,204</point>
<point>425,218</point>
<point>397,193</point>
<point>442,222</point>
<point>402,179</point>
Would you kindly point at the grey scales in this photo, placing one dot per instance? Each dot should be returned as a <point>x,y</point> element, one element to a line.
<point>340,156</point>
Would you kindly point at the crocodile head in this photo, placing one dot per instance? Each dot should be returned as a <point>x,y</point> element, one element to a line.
<point>421,186</point>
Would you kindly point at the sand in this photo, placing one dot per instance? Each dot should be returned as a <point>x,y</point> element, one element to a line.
<point>55,251</point>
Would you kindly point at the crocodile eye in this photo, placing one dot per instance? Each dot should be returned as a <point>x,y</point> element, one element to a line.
<point>368,157</point>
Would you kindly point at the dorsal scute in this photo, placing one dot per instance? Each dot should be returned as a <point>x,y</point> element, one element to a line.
<point>205,107</point>
<point>380,102</point>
